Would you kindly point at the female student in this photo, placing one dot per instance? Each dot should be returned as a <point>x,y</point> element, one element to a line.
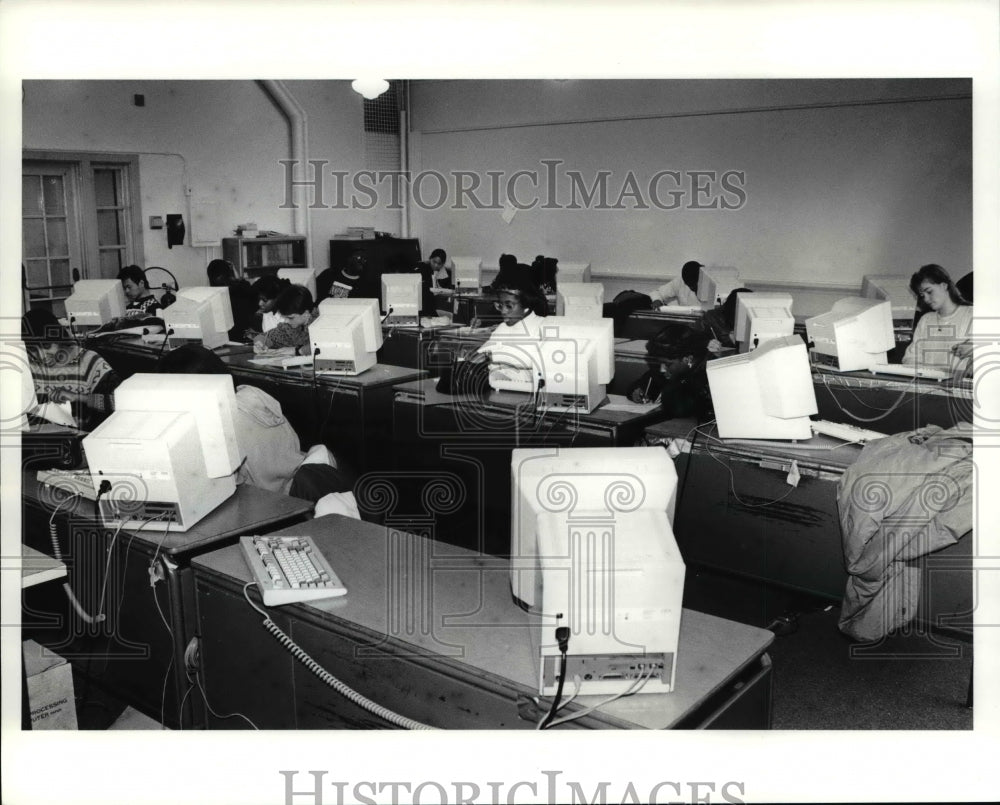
<point>941,337</point>
<point>268,288</point>
<point>242,300</point>
<point>720,322</point>
<point>295,304</point>
<point>65,372</point>
<point>442,269</point>
<point>678,380</point>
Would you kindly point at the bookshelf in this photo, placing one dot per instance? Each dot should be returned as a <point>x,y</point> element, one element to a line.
<point>256,256</point>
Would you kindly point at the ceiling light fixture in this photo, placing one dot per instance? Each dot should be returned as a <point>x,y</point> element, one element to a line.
<point>370,88</point>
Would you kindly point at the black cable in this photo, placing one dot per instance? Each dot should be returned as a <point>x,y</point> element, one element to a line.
<point>562,636</point>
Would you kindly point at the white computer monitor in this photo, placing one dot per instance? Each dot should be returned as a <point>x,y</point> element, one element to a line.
<point>764,394</point>
<point>573,272</point>
<point>367,309</point>
<point>338,343</point>
<point>169,452</point>
<point>468,273</point>
<point>95,302</point>
<point>402,295</point>
<point>593,549</point>
<point>896,289</point>
<point>306,277</point>
<point>201,314</point>
<point>715,283</point>
<point>762,316</point>
<point>856,334</point>
<point>580,299</point>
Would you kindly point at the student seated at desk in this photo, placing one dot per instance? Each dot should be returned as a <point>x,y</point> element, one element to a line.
<point>242,300</point>
<point>65,372</point>
<point>268,289</point>
<point>141,303</point>
<point>274,460</point>
<point>295,304</point>
<point>683,288</point>
<point>720,323</point>
<point>442,269</point>
<point>941,336</point>
<point>678,379</point>
<point>353,281</point>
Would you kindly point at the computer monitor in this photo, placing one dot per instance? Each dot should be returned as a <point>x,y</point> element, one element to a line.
<point>402,295</point>
<point>593,550</point>
<point>896,289</point>
<point>580,299</point>
<point>468,273</point>
<point>337,343</point>
<point>306,277</point>
<point>715,283</point>
<point>366,308</point>
<point>168,452</point>
<point>202,314</point>
<point>856,334</point>
<point>95,302</point>
<point>764,394</point>
<point>574,272</point>
<point>762,316</point>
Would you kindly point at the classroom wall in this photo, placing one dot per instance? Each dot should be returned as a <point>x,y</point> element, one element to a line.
<point>221,139</point>
<point>842,178</point>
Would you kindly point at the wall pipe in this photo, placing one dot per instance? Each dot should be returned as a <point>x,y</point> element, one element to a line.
<point>299,136</point>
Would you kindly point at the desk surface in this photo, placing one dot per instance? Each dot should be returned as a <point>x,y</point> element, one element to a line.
<point>378,375</point>
<point>249,511</point>
<point>37,567</point>
<point>467,620</point>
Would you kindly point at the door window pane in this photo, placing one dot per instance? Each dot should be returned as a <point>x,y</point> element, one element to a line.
<point>58,242</point>
<point>36,272</point>
<point>106,188</point>
<point>60,273</point>
<point>55,198</point>
<point>108,228</point>
<point>30,195</point>
<point>111,262</point>
<point>34,238</point>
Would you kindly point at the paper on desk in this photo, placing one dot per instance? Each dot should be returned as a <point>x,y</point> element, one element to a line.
<point>59,413</point>
<point>619,402</point>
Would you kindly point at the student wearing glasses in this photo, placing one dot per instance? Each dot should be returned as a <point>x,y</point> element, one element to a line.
<point>941,337</point>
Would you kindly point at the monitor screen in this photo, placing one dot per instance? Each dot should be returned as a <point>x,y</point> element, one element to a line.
<point>896,289</point>
<point>338,343</point>
<point>764,394</point>
<point>580,299</point>
<point>593,550</point>
<point>715,283</point>
<point>401,298</point>
<point>203,314</point>
<point>169,452</point>
<point>95,302</point>
<point>366,309</point>
<point>306,277</point>
<point>856,334</point>
<point>574,272</point>
<point>468,273</point>
<point>762,316</point>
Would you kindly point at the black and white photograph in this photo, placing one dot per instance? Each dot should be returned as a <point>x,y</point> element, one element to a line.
<point>493,369</point>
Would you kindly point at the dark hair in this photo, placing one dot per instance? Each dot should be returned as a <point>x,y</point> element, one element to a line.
<point>293,300</point>
<point>689,273</point>
<point>220,272</point>
<point>134,273</point>
<point>270,286</point>
<point>191,359</point>
<point>678,341</point>
<point>729,306</point>
<point>39,325</point>
<point>518,283</point>
<point>507,261</point>
<point>932,272</point>
<point>438,253</point>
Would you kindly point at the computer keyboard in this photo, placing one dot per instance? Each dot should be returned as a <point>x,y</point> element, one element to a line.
<point>681,309</point>
<point>290,569</point>
<point>841,430</point>
<point>905,370</point>
<point>73,481</point>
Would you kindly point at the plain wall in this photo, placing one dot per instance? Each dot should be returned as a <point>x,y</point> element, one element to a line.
<point>842,178</point>
<point>221,139</point>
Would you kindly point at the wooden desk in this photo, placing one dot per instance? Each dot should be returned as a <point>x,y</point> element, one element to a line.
<point>127,354</point>
<point>453,453</point>
<point>754,524</point>
<point>890,404</point>
<point>431,632</point>
<point>132,651</point>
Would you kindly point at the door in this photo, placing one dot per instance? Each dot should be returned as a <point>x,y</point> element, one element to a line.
<point>52,249</point>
